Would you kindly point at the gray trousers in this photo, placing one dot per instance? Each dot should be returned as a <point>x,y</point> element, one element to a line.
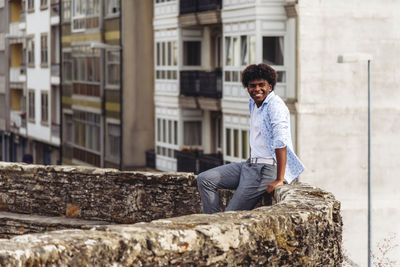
<point>249,180</point>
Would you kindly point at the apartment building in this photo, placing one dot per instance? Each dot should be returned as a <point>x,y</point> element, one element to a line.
<point>107,81</point>
<point>4,115</point>
<point>327,101</point>
<point>32,82</point>
<point>200,49</point>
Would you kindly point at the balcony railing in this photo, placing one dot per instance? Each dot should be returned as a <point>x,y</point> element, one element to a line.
<point>15,119</point>
<point>201,83</point>
<point>15,31</point>
<point>209,161</point>
<point>191,6</point>
<point>187,161</point>
<point>17,74</point>
<point>196,161</point>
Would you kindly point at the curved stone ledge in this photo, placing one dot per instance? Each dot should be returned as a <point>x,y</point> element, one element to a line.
<point>302,228</point>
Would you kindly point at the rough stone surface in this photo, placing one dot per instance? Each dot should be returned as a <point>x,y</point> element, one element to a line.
<point>100,194</point>
<point>12,224</point>
<point>302,228</point>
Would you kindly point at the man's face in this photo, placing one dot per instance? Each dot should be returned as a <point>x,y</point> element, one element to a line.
<point>258,90</point>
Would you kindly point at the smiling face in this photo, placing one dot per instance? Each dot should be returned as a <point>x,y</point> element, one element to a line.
<point>258,90</point>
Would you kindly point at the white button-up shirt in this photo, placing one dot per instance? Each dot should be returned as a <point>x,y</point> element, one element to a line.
<point>274,123</point>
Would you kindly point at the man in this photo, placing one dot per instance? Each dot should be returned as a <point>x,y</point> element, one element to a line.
<point>272,161</point>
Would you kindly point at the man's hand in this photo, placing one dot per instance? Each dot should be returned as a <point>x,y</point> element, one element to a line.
<point>271,186</point>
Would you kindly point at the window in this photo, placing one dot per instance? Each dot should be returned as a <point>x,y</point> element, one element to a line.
<point>31,5</point>
<point>44,107</point>
<point>43,4</point>
<point>93,7</point>
<point>31,105</point>
<point>192,53</point>
<point>273,50</point>
<point>67,66</point>
<point>167,137</point>
<point>113,67</point>
<point>114,136</point>
<point>112,7</point>
<point>166,60</point>
<point>44,50</point>
<point>66,10</point>
<point>68,129</point>
<point>31,51</point>
<point>236,144</point>
<point>87,130</point>
<point>85,14</point>
<point>192,133</point>
<point>239,52</point>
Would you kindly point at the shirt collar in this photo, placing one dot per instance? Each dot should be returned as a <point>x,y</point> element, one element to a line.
<point>266,100</point>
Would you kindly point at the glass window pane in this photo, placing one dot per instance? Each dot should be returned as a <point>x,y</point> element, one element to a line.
<point>244,53</point>
<point>192,53</point>
<point>169,131</point>
<point>273,50</point>
<point>236,143</point>
<point>163,53</point>
<point>175,132</point>
<point>158,130</point>
<point>192,133</point>
<point>175,52</point>
<point>228,142</point>
<point>158,54</point>
<point>252,50</point>
<point>164,130</point>
<point>227,76</point>
<point>228,51</point>
<point>236,52</point>
<point>169,54</point>
<point>281,76</point>
<point>244,145</point>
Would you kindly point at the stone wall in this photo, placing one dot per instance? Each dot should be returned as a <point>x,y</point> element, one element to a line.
<point>303,227</point>
<point>96,194</point>
<point>100,194</point>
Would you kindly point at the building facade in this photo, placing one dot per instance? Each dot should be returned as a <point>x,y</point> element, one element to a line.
<point>99,76</point>
<point>32,122</point>
<point>200,49</point>
<point>327,100</point>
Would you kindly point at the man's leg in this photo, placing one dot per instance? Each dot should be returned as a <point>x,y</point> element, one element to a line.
<point>254,179</point>
<point>222,177</point>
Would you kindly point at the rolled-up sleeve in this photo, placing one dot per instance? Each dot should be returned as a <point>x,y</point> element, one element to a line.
<point>280,124</point>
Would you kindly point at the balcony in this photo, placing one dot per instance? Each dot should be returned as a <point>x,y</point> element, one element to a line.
<point>15,31</point>
<point>17,74</point>
<point>201,83</point>
<point>15,119</point>
<point>192,6</point>
<point>209,161</point>
<point>196,161</point>
<point>199,12</point>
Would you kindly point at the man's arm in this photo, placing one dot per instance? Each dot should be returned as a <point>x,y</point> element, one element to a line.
<point>281,156</point>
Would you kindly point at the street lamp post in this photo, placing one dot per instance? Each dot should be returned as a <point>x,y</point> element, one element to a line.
<point>360,57</point>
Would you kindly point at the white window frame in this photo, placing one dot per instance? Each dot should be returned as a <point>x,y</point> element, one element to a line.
<point>44,107</point>
<point>109,155</point>
<point>166,148</point>
<point>108,84</point>
<point>166,67</point>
